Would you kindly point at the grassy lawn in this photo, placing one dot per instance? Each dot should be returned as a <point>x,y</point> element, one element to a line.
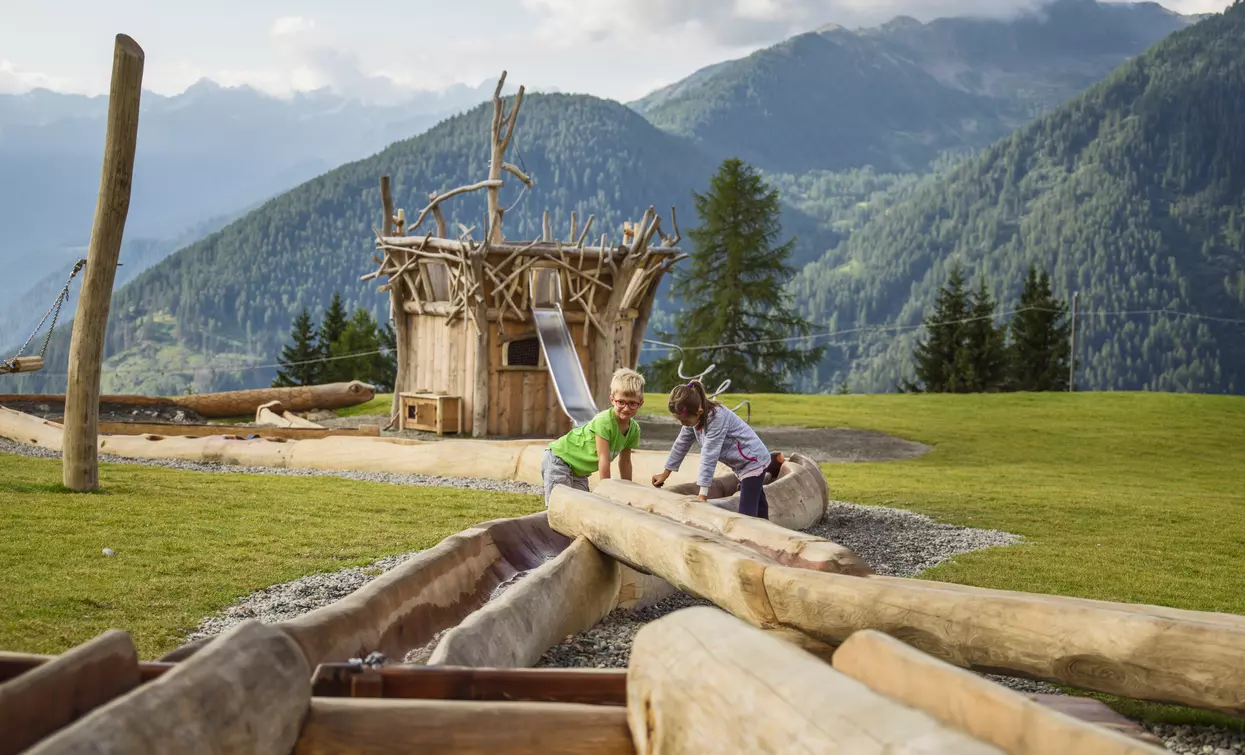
<point>381,403</point>
<point>188,544</point>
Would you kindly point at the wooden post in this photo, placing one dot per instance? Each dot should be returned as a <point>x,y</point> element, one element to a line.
<point>1072,346</point>
<point>396,310</point>
<point>80,471</point>
<point>480,398</point>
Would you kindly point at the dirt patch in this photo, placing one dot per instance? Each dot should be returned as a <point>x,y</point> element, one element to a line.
<point>111,412</point>
<point>827,445</point>
<point>821,444</point>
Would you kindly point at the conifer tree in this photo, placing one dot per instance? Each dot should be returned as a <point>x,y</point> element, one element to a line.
<point>332,326</point>
<point>300,357</point>
<point>1038,355</point>
<point>983,358</point>
<point>360,336</point>
<point>733,290</point>
<point>939,353</point>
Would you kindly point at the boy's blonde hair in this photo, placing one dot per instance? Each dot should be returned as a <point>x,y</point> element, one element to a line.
<point>627,382</point>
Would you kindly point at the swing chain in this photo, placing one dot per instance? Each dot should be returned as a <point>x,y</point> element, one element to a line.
<point>54,311</point>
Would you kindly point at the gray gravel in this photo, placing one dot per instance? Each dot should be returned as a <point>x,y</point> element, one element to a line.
<point>473,483</point>
<point>891,541</point>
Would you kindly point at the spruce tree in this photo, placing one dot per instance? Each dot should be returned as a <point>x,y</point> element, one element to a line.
<point>300,357</point>
<point>733,290</point>
<point>361,336</point>
<point>939,361</point>
<point>1038,354</point>
<point>332,326</point>
<point>983,362</point>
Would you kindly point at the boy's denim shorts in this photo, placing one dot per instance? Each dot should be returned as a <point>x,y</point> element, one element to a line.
<point>554,471</point>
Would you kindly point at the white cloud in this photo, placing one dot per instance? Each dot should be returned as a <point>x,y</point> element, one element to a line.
<point>14,80</point>
<point>291,25</point>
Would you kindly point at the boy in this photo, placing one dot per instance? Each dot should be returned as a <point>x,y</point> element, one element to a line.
<point>589,448</point>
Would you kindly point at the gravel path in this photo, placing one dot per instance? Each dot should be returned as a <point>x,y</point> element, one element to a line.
<point>891,541</point>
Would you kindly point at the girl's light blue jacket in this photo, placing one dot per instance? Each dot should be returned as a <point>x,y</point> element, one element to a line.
<point>726,438</point>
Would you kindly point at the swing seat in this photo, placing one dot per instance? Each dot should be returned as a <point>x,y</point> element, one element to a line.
<point>21,364</point>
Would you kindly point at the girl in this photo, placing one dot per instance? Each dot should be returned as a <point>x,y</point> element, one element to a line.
<point>723,437</point>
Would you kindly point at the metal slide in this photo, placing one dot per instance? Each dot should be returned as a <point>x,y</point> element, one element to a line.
<point>555,341</point>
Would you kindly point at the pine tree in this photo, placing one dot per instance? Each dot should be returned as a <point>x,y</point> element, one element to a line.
<point>983,356</point>
<point>939,357</point>
<point>300,357</point>
<point>1038,355</point>
<point>733,290</point>
<point>359,337</point>
<point>332,326</point>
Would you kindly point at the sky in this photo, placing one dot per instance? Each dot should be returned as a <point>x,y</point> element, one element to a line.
<point>377,49</point>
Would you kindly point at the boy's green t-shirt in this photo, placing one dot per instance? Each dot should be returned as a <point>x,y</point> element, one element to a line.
<point>578,448</point>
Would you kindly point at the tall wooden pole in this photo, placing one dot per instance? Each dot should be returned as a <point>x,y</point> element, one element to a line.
<point>1072,345</point>
<point>80,469</point>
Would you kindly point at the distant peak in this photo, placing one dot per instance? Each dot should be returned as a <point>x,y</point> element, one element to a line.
<point>204,85</point>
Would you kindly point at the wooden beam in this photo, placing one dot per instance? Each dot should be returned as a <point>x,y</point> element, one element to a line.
<point>702,681</point>
<point>247,691</point>
<point>52,695</point>
<point>21,364</point>
<point>234,431</point>
<point>390,727</point>
<point>565,595</point>
<point>13,665</point>
<point>537,248</point>
<point>1087,645</point>
<point>80,459</point>
<point>542,685</point>
<point>299,398</point>
<point>444,309</point>
<point>964,700</point>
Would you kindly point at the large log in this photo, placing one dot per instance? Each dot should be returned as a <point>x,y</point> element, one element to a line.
<point>436,727</point>
<point>247,692</point>
<point>988,711</point>
<point>1120,652</point>
<point>779,543</point>
<point>568,594</point>
<point>797,497</point>
<point>500,460</point>
<point>163,429</point>
<point>80,466</point>
<point>696,562</point>
<point>54,694</point>
<point>701,681</point>
<point>1087,645</point>
<point>301,398</point>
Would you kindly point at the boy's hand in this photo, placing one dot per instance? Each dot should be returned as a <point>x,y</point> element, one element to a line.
<point>660,479</point>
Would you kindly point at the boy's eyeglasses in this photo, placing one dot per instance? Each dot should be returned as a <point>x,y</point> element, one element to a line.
<point>628,404</point>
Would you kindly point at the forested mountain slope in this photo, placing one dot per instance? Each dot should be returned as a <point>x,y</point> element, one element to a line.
<point>896,96</point>
<point>231,298</point>
<point>1132,194</point>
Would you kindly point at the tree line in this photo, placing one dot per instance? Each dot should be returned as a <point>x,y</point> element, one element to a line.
<point>318,355</point>
<point>964,351</point>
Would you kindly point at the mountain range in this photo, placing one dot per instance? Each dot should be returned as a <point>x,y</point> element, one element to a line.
<point>921,143</point>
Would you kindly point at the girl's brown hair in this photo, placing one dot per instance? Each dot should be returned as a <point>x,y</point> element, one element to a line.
<point>687,398</point>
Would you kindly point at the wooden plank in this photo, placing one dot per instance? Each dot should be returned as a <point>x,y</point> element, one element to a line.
<point>387,727</point>
<point>15,664</point>
<point>701,681</point>
<point>238,431</point>
<point>542,685</point>
<point>990,712</point>
<point>247,691</point>
<point>1098,714</point>
<point>55,693</point>
<point>565,595</point>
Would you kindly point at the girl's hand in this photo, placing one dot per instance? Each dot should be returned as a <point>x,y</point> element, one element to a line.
<point>702,498</point>
<point>660,479</point>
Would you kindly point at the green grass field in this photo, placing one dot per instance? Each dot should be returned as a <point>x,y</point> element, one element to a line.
<point>188,544</point>
<point>1120,496</point>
